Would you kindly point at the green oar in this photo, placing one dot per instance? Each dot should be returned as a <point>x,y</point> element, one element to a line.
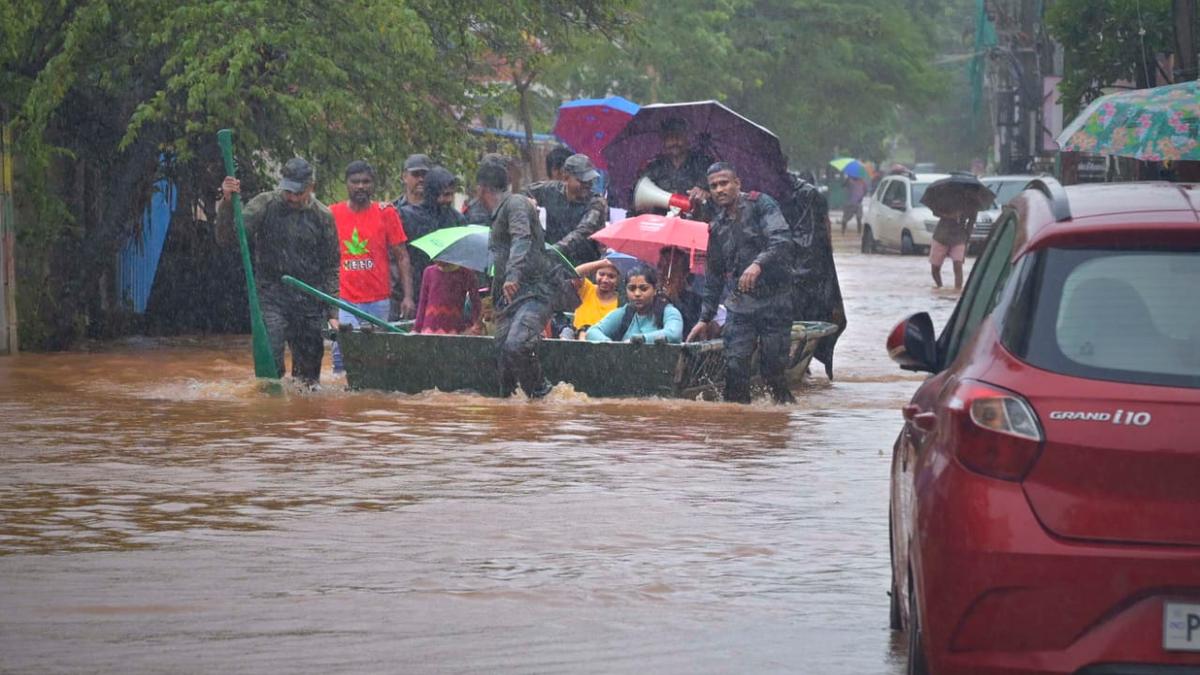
<point>340,304</point>
<point>264,362</point>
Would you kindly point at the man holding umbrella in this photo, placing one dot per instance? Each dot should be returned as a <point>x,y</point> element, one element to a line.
<point>956,201</point>
<point>680,169</point>
<point>521,287</point>
<point>750,245</point>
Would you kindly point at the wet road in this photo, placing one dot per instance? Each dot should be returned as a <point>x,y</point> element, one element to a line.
<point>159,513</point>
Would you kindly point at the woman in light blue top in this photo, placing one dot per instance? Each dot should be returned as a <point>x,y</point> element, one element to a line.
<point>646,317</point>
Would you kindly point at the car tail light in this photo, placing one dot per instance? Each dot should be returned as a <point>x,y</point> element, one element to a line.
<point>994,431</point>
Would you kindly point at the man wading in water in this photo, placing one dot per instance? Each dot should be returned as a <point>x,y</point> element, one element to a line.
<point>521,287</point>
<point>750,244</point>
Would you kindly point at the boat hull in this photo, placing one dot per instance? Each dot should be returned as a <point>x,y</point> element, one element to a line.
<point>413,363</point>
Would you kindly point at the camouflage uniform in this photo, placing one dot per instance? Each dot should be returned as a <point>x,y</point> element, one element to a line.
<point>570,224</point>
<point>301,243</point>
<point>517,243</point>
<point>756,233</point>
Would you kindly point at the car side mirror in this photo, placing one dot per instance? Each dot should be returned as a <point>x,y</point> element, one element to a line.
<point>913,344</point>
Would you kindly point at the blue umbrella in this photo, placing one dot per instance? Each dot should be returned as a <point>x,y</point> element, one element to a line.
<point>624,262</point>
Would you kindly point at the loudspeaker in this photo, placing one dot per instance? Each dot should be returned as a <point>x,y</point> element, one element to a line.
<point>647,195</point>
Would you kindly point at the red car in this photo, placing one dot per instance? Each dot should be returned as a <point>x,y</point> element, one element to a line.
<point>1045,506</point>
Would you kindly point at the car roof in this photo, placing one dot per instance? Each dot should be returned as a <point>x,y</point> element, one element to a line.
<point>1100,210</point>
<point>1009,178</point>
<point>929,177</point>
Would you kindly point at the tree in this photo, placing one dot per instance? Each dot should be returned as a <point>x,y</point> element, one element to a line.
<point>109,95</point>
<point>823,75</point>
<point>1108,41</point>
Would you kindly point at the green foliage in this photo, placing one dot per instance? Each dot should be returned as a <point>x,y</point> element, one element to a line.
<point>824,75</point>
<point>1104,44</point>
<point>101,92</point>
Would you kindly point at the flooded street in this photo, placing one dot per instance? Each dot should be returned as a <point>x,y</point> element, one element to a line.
<point>159,513</point>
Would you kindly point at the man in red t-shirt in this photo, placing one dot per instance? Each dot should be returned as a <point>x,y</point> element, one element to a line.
<point>368,233</point>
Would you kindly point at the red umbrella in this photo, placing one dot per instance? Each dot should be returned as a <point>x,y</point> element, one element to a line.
<point>645,235</point>
<point>588,125</point>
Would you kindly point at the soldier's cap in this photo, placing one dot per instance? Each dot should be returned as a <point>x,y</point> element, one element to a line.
<point>297,175</point>
<point>581,167</point>
<point>418,162</point>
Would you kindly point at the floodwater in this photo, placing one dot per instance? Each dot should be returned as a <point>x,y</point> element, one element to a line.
<point>160,513</point>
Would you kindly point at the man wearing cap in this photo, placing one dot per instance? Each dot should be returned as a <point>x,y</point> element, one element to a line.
<point>289,232</point>
<point>573,210</point>
<point>416,166</point>
<point>521,285</point>
<point>680,169</point>
<point>750,249</point>
<point>372,239</point>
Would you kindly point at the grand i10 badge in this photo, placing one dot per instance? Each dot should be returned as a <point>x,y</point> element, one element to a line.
<point>1122,417</point>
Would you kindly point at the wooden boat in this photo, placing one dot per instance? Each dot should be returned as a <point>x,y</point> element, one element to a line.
<point>412,363</point>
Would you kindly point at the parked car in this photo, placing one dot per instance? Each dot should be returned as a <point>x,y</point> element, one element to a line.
<point>1005,188</point>
<point>1045,486</point>
<point>895,219</point>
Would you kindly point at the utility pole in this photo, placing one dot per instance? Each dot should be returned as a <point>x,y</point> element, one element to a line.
<point>8,242</point>
<point>1183,12</point>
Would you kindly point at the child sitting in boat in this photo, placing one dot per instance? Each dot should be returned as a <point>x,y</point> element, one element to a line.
<point>646,317</point>
<point>597,299</point>
<point>444,290</point>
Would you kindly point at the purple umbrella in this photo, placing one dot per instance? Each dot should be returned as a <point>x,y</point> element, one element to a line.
<point>713,129</point>
<point>587,125</point>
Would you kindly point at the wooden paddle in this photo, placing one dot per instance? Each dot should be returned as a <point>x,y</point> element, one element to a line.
<point>264,361</point>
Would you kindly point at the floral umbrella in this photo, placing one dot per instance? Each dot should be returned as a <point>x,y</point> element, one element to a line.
<point>1156,124</point>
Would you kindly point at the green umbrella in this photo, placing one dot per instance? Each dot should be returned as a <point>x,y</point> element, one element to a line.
<point>1156,124</point>
<point>467,246</point>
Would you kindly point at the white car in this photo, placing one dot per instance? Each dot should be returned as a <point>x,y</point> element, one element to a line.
<point>895,219</point>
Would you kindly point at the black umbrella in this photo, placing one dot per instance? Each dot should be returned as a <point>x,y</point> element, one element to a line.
<point>959,193</point>
<point>712,128</point>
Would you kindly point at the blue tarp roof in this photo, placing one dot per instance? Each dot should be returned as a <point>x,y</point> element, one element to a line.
<point>614,102</point>
<point>515,135</point>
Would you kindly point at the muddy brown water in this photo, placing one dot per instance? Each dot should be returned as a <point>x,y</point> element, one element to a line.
<point>158,512</point>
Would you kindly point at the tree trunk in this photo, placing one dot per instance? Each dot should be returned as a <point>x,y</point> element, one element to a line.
<point>1184,14</point>
<point>523,86</point>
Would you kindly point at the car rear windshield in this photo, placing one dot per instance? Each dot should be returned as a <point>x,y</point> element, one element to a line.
<point>918,189</point>
<point>1121,315</point>
<point>1005,190</point>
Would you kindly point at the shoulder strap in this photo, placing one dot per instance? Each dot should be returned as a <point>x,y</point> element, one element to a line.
<point>626,320</point>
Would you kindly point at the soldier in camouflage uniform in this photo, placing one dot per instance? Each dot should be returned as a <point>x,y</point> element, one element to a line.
<point>573,211</point>
<point>289,232</point>
<point>679,169</point>
<point>521,287</point>
<point>751,248</point>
